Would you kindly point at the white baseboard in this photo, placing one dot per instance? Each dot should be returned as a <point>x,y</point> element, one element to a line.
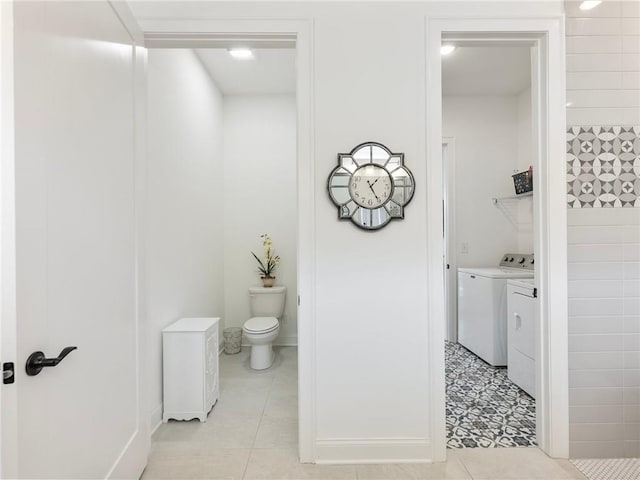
<point>286,341</point>
<point>156,419</point>
<point>281,341</point>
<point>133,459</point>
<point>378,450</point>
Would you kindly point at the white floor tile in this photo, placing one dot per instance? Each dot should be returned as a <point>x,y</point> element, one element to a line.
<point>510,463</point>
<point>179,460</point>
<point>252,433</point>
<point>277,432</point>
<point>451,469</point>
<point>283,464</point>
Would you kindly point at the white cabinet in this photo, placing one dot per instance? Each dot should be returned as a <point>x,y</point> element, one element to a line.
<point>190,368</point>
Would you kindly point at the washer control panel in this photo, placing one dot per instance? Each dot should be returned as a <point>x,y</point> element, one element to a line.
<point>518,260</point>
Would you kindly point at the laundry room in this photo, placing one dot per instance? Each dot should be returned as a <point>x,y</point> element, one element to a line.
<point>488,184</point>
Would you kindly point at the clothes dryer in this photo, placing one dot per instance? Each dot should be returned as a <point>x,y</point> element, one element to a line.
<point>521,332</point>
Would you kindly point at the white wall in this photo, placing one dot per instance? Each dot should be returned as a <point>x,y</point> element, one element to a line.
<point>184,267</point>
<point>525,156</point>
<point>260,197</point>
<point>371,357</point>
<point>603,77</point>
<point>485,131</point>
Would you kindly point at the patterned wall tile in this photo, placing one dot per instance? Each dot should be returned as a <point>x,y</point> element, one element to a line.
<point>603,166</point>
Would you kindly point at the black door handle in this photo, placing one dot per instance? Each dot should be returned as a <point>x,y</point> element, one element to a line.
<point>37,361</point>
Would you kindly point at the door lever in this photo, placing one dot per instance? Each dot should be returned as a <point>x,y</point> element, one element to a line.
<point>37,361</point>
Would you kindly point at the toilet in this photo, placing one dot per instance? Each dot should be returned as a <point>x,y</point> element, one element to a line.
<point>267,306</point>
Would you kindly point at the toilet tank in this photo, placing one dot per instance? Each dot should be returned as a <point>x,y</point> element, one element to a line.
<point>267,302</point>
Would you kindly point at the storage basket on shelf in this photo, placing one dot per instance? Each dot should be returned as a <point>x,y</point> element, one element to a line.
<point>523,181</point>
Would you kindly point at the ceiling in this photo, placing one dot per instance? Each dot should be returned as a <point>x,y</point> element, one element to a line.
<point>495,70</point>
<point>469,70</point>
<point>271,71</point>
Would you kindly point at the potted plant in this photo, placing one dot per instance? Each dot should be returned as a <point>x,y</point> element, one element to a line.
<point>267,265</point>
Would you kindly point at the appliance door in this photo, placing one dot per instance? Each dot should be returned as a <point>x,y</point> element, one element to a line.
<point>521,321</point>
<point>481,312</point>
<point>521,338</point>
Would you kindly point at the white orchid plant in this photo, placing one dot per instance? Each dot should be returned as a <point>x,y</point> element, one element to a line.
<point>268,263</point>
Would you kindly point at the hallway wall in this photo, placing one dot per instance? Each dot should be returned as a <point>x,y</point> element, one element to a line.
<point>184,264</point>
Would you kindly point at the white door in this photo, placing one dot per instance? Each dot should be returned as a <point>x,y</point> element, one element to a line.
<point>76,246</point>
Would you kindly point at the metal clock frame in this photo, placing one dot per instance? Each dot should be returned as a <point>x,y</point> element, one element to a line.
<point>348,208</point>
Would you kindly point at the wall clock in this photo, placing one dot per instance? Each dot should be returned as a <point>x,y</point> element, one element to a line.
<point>370,186</point>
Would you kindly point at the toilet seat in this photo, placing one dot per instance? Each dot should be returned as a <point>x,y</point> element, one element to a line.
<point>261,325</point>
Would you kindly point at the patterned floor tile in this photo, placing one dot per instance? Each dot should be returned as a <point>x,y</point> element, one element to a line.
<point>484,408</point>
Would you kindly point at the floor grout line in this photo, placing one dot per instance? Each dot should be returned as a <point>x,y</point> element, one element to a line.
<point>255,436</point>
<point>464,465</point>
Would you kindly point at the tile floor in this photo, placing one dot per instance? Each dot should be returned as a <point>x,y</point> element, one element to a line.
<point>252,434</point>
<point>484,407</point>
<point>609,468</point>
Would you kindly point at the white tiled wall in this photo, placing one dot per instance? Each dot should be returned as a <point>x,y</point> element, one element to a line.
<point>603,86</point>
<point>604,332</point>
<point>603,64</point>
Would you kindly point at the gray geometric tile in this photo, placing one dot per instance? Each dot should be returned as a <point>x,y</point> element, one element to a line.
<point>603,166</point>
<point>484,407</point>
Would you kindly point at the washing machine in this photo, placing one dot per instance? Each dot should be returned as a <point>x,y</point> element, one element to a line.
<point>482,305</point>
<point>521,334</point>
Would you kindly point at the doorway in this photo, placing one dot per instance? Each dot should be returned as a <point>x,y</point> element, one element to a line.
<point>549,241</point>
<point>487,110</point>
<point>222,183</point>
<point>277,33</point>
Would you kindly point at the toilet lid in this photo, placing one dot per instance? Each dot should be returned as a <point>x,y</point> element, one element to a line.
<point>261,324</point>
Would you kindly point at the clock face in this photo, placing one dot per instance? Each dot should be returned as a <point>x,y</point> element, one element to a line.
<point>370,186</point>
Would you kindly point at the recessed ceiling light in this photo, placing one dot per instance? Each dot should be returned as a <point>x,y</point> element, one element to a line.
<point>589,4</point>
<point>447,49</point>
<point>241,53</point>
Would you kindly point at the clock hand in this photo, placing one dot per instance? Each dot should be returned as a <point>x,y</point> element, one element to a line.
<point>375,181</point>
<point>371,187</point>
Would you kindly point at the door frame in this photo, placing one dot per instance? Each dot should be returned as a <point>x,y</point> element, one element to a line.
<point>449,228</point>
<point>274,33</point>
<point>550,239</point>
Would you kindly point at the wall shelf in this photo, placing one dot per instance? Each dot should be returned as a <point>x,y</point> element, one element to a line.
<point>496,200</point>
<point>510,208</point>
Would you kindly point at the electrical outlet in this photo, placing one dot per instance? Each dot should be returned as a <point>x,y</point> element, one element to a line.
<point>464,247</point>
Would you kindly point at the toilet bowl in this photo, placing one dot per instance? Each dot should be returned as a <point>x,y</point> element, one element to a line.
<point>267,305</point>
<point>260,332</point>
